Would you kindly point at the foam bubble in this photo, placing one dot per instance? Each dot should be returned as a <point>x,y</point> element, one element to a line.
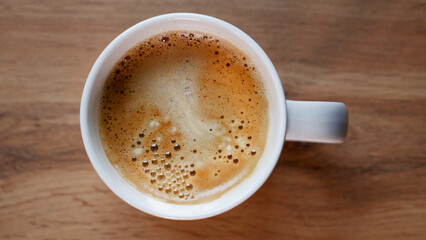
<point>137,151</point>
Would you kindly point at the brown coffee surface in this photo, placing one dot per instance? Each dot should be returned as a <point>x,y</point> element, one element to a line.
<point>183,116</point>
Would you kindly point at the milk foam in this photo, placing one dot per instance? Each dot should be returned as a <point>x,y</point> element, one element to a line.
<point>176,115</point>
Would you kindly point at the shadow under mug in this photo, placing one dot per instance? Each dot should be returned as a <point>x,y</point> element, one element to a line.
<point>325,122</point>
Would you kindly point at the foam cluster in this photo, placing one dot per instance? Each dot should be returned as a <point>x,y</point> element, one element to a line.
<point>183,116</point>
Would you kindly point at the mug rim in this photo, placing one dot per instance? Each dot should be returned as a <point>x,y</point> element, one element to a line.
<point>89,85</point>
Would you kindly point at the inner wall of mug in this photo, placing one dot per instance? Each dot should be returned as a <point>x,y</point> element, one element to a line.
<point>90,102</point>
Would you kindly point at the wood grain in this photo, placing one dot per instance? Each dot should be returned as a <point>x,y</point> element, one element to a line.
<point>370,55</point>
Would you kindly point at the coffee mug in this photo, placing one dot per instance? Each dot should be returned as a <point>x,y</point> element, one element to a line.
<point>324,122</point>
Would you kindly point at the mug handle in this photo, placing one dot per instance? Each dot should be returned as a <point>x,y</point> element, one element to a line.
<point>321,122</point>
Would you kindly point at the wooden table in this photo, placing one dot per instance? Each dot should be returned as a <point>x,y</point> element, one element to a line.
<point>370,55</point>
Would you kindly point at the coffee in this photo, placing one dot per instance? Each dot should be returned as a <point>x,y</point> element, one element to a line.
<point>183,116</point>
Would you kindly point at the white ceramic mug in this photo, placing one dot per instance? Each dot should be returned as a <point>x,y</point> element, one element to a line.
<point>290,120</point>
